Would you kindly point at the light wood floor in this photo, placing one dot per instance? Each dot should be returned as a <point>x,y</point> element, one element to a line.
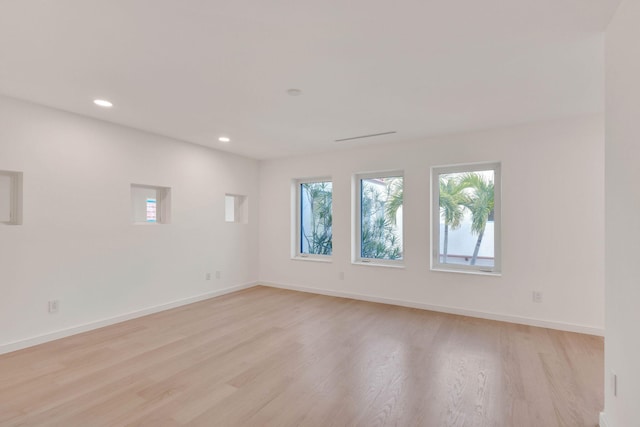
<point>269,357</point>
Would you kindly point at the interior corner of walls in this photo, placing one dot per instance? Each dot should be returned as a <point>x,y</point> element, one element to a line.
<point>35,140</point>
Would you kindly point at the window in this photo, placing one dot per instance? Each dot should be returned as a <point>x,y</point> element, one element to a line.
<point>379,231</point>
<point>466,217</point>
<point>10,198</point>
<point>152,212</point>
<point>314,206</point>
<point>150,204</point>
<point>236,208</point>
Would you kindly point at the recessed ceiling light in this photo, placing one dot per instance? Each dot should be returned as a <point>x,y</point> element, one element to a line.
<point>103,103</point>
<point>294,92</point>
<point>224,139</point>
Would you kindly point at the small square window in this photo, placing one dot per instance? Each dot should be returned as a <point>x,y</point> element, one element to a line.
<point>150,204</point>
<point>236,208</point>
<point>10,198</point>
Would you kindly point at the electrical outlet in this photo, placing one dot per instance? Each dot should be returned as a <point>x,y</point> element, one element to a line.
<point>341,275</point>
<point>54,306</point>
<point>537,296</point>
<point>207,276</point>
<point>218,274</point>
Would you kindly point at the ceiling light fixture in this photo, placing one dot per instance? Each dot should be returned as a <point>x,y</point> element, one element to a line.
<point>224,139</point>
<point>294,92</point>
<point>103,103</point>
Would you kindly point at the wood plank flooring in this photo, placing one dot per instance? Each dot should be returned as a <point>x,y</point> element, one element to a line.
<point>270,357</point>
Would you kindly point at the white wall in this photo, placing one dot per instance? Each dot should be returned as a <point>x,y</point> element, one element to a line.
<point>78,243</point>
<point>553,224</point>
<point>622,342</point>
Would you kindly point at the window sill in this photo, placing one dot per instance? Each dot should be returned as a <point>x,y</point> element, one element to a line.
<point>313,259</point>
<point>474,272</point>
<point>378,264</point>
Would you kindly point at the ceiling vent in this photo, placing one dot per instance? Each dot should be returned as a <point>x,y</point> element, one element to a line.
<point>365,136</point>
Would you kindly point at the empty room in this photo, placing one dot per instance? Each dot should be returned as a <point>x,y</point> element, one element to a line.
<point>319,213</point>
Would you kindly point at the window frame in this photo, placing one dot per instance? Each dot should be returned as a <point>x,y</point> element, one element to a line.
<point>356,255</point>
<point>15,197</point>
<point>436,171</point>
<point>296,240</point>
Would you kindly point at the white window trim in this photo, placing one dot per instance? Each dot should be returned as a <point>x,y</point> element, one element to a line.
<point>15,197</point>
<point>296,231</point>
<point>356,250</point>
<point>436,265</point>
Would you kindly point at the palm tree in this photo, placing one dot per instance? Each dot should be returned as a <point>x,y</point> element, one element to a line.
<point>452,203</point>
<point>395,198</point>
<point>480,203</point>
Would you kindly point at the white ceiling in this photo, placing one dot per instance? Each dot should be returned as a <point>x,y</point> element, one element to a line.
<point>197,69</point>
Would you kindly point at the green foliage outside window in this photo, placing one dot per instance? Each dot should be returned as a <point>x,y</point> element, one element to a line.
<point>471,192</point>
<point>381,198</point>
<point>316,218</point>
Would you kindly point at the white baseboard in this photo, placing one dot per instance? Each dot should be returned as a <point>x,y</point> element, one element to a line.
<point>562,326</point>
<point>51,336</point>
<point>603,420</point>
